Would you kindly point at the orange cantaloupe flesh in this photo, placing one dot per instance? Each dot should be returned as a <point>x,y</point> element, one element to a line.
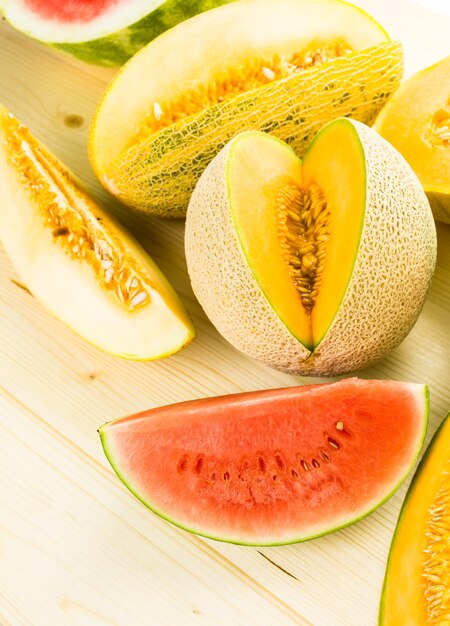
<point>416,587</point>
<point>256,177</point>
<point>417,122</point>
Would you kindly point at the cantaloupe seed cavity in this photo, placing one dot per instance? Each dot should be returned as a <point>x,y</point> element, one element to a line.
<point>436,571</point>
<point>256,73</point>
<point>303,230</point>
<point>73,219</point>
<point>439,127</point>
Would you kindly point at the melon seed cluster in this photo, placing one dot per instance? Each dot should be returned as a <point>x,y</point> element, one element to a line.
<point>436,574</point>
<point>256,73</point>
<point>83,237</point>
<point>440,127</point>
<point>303,230</point>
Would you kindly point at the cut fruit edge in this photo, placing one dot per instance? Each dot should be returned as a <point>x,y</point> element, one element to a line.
<point>105,148</point>
<point>346,152</point>
<point>37,222</point>
<point>419,480</point>
<point>107,22</point>
<point>421,392</point>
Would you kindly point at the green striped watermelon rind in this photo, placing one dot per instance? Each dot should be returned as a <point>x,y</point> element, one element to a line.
<point>116,48</point>
<point>300,539</point>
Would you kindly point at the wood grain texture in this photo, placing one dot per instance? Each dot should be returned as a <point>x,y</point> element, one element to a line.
<point>75,548</point>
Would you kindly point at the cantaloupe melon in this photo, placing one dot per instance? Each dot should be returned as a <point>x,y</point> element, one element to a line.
<point>315,267</point>
<point>416,589</point>
<point>284,67</point>
<point>79,262</point>
<point>417,122</point>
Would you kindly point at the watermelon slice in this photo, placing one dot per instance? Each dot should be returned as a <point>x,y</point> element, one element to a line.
<point>272,467</point>
<point>105,32</point>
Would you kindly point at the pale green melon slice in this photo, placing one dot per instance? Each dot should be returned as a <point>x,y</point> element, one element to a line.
<point>79,262</point>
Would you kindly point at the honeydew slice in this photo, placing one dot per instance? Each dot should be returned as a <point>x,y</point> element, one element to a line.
<point>78,261</point>
<point>318,266</point>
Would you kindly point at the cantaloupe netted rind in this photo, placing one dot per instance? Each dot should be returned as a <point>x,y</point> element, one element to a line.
<point>112,35</point>
<point>417,122</point>
<point>393,263</point>
<point>78,261</point>
<point>324,59</point>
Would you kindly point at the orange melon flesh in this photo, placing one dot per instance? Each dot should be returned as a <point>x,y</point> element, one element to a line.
<point>417,122</point>
<point>416,589</point>
<point>257,178</point>
<point>247,33</point>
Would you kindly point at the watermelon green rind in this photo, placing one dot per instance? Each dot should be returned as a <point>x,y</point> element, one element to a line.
<point>114,49</point>
<point>422,395</point>
<point>411,490</point>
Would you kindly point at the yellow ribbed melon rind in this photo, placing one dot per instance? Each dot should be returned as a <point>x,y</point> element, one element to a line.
<point>158,174</point>
<point>392,271</point>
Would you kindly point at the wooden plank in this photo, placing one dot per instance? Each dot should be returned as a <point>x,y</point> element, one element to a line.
<point>75,547</point>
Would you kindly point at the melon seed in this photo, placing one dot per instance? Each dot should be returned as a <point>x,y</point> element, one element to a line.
<point>436,573</point>
<point>236,80</point>
<point>69,222</point>
<point>302,220</point>
<point>439,130</point>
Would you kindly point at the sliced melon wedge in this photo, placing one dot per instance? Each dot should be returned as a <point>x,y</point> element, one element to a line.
<point>318,266</point>
<point>78,261</point>
<point>416,589</point>
<point>284,66</point>
<point>417,122</point>
<point>275,466</point>
<point>105,32</point>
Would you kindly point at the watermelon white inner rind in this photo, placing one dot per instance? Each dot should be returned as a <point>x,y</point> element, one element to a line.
<point>31,16</point>
<point>371,463</point>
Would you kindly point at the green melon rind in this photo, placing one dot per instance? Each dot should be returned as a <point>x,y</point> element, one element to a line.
<point>410,493</point>
<point>116,48</point>
<point>300,539</point>
<point>293,109</point>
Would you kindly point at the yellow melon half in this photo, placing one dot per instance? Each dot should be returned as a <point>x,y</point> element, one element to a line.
<point>284,67</point>
<point>417,122</point>
<point>315,267</point>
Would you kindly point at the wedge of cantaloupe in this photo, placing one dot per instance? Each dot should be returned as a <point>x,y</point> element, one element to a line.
<point>280,66</point>
<point>417,122</point>
<point>315,267</point>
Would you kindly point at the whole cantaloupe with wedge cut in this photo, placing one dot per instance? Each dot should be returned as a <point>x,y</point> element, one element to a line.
<point>79,262</point>
<point>284,67</point>
<point>318,266</point>
<point>417,122</point>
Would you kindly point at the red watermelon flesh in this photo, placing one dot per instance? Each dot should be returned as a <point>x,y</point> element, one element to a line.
<point>276,466</point>
<point>70,10</point>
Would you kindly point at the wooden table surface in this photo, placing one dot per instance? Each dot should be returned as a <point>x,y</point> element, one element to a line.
<point>76,548</point>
